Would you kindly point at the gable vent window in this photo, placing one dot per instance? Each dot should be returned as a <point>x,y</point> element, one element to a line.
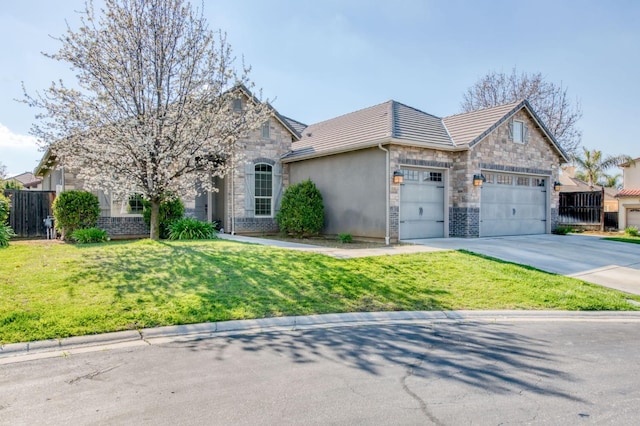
<point>519,132</point>
<point>237,105</point>
<point>266,133</point>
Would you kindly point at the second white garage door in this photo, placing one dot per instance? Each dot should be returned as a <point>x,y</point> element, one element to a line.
<point>513,205</point>
<point>422,204</point>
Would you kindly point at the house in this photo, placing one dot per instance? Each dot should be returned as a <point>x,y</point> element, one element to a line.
<point>483,173</point>
<point>629,196</point>
<point>477,174</point>
<point>570,184</point>
<point>27,180</point>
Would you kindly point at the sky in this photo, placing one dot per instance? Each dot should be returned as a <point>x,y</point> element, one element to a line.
<point>318,59</point>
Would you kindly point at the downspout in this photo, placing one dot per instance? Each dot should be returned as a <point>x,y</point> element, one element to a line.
<point>233,195</point>
<point>388,173</point>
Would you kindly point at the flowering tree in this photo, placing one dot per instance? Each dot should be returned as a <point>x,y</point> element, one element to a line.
<point>153,112</point>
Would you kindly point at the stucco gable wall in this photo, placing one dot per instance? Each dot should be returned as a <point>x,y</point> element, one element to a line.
<point>631,176</point>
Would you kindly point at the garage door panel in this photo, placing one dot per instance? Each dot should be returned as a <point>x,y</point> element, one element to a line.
<point>508,209</point>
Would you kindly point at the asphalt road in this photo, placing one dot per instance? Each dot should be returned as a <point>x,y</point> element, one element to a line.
<point>447,373</point>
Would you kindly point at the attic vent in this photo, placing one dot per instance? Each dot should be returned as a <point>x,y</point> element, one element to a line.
<point>308,134</point>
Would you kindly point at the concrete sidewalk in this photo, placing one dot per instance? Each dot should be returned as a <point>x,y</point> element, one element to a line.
<point>19,352</point>
<point>335,252</point>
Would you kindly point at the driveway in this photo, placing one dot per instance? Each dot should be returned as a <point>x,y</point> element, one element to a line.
<point>589,258</point>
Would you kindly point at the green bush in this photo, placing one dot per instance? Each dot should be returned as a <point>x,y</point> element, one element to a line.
<point>89,235</point>
<point>632,231</point>
<point>192,229</point>
<point>562,230</point>
<point>75,210</point>
<point>302,211</point>
<point>5,208</point>
<point>170,211</point>
<point>345,238</point>
<point>5,234</point>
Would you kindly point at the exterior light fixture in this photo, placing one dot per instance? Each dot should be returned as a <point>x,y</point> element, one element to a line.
<point>478,180</point>
<point>557,186</point>
<point>398,177</point>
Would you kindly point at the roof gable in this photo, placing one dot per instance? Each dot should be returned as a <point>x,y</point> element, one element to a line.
<point>469,128</point>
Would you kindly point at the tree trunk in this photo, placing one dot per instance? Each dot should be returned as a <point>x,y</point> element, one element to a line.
<point>154,223</point>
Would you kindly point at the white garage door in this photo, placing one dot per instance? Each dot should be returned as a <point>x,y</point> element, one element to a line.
<point>422,204</point>
<point>513,205</point>
<point>633,217</point>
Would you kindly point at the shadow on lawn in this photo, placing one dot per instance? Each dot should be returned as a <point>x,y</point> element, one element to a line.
<point>212,281</point>
<point>492,357</point>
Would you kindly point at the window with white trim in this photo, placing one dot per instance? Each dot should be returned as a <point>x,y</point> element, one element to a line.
<point>237,104</point>
<point>135,204</point>
<point>432,177</point>
<point>410,175</point>
<point>263,189</point>
<point>518,131</point>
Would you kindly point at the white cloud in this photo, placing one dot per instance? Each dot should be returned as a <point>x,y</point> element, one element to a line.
<point>8,139</point>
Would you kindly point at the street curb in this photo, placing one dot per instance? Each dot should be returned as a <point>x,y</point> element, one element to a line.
<point>207,330</point>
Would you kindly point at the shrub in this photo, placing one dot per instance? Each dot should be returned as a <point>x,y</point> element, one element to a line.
<point>5,234</point>
<point>89,235</point>
<point>75,210</point>
<point>345,238</point>
<point>192,229</point>
<point>632,231</point>
<point>562,230</point>
<point>170,211</point>
<point>5,208</point>
<point>302,210</point>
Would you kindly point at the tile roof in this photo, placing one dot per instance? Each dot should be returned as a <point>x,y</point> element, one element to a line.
<point>628,193</point>
<point>294,124</point>
<point>394,122</point>
<point>370,126</point>
<point>471,127</point>
<point>573,184</point>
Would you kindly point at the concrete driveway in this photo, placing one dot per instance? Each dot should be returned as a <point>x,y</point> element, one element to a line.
<point>589,258</point>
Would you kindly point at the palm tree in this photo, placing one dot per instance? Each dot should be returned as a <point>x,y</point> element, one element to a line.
<point>593,164</point>
<point>611,181</point>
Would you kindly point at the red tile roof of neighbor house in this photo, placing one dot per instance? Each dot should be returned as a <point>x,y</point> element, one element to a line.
<point>628,193</point>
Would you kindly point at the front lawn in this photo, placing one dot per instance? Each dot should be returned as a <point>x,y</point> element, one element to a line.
<point>59,290</point>
<point>633,240</point>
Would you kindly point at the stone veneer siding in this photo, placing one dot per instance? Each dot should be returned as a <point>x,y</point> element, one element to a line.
<point>123,227</point>
<point>255,149</point>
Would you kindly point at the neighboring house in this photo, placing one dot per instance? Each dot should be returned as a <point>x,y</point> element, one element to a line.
<point>355,159</point>
<point>629,196</point>
<point>28,181</point>
<point>572,184</point>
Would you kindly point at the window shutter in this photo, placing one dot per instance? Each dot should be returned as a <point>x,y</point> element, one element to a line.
<point>249,189</point>
<point>510,130</point>
<point>277,187</point>
<point>525,129</point>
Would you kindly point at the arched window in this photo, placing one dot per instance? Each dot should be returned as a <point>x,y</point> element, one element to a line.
<point>263,189</point>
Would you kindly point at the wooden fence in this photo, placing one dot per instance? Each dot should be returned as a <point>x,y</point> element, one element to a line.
<point>582,208</point>
<point>28,211</point>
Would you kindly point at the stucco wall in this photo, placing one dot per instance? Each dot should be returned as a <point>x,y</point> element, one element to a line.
<point>631,176</point>
<point>353,190</point>
<point>624,204</point>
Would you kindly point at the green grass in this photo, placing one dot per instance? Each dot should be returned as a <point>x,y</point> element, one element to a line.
<point>633,240</point>
<point>60,290</point>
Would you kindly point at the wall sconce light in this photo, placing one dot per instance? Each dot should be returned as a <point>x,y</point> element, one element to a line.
<point>557,186</point>
<point>478,180</point>
<point>398,177</point>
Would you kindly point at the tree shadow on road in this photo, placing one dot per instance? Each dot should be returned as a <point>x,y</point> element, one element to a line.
<point>491,357</point>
